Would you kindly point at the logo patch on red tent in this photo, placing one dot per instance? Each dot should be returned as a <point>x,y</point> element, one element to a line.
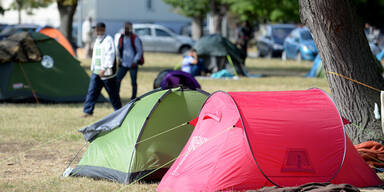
<point>297,160</point>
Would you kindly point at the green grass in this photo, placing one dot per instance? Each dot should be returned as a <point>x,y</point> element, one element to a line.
<point>37,141</point>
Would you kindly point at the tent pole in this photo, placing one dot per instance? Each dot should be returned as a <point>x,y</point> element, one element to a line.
<point>29,83</point>
<point>233,66</point>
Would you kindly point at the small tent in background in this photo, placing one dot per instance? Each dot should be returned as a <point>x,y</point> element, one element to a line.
<point>247,140</point>
<point>144,135</point>
<point>35,66</point>
<point>58,36</point>
<point>219,53</point>
<point>317,69</point>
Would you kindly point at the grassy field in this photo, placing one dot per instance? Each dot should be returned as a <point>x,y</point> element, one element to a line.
<point>37,141</point>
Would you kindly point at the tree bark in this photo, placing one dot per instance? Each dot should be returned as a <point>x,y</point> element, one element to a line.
<point>66,18</point>
<point>344,49</point>
<point>19,15</point>
<point>197,28</point>
<point>217,13</point>
<point>19,8</point>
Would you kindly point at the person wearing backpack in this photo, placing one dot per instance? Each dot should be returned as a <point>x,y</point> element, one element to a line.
<point>130,56</point>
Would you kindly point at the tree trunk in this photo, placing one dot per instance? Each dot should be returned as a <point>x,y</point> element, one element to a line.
<point>19,15</point>
<point>66,18</point>
<point>197,28</point>
<point>217,13</point>
<point>344,49</point>
<point>19,8</point>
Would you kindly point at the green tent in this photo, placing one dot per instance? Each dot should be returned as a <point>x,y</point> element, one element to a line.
<point>141,137</point>
<point>219,53</point>
<point>36,67</point>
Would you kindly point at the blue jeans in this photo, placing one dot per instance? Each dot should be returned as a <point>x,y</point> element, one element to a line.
<point>94,90</point>
<point>197,68</point>
<point>133,73</point>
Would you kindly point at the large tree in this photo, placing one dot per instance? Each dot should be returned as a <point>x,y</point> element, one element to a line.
<point>344,50</point>
<point>196,9</point>
<point>67,10</point>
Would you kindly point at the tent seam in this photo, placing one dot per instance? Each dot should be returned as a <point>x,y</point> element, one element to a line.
<point>141,130</point>
<point>345,136</point>
<point>249,144</point>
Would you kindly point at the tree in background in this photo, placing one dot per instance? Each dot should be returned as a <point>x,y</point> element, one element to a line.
<point>344,50</point>
<point>264,11</point>
<point>196,9</point>
<point>67,10</point>
<point>261,11</point>
<point>217,11</point>
<point>28,6</point>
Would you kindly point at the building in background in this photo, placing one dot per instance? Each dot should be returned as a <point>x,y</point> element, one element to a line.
<point>115,13</point>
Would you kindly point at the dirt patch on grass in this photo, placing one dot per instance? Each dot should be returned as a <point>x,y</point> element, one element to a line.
<point>14,147</point>
<point>41,156</point>
<point>29,162</point>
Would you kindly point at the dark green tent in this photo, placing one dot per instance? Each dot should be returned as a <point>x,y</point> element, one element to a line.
<point>144,135</point>
<point>219,53</point>
<point>36,67</point>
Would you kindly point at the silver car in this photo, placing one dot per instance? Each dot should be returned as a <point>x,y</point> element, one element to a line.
<point>160,39</point>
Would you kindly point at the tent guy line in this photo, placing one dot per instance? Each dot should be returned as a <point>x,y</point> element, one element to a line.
<point>358,82</point>
<point>29,83</point>
<point>171,129</point>
<point>147,139</point>
<point>38,146</point>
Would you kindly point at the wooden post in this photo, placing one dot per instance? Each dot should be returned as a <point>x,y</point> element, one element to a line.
<point>382,110</point>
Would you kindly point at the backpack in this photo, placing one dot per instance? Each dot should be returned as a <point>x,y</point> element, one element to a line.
<point>132,37</point>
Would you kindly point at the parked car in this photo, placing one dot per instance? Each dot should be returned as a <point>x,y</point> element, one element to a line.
<point>11,29</point>
<point>270,43</point>
<point>160,39</point>
<point>299,45</point>
<point>3,26</point>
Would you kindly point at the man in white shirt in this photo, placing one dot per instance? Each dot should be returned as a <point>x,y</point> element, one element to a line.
<point>130,55</point>
<point>103,72</point>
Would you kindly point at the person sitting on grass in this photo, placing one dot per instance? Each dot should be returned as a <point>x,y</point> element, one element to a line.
<point>191,64</point>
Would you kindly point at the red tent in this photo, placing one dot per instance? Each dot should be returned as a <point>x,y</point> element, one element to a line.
<point>247,140</point>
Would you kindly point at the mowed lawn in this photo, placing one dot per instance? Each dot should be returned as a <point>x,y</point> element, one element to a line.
<point>38,140</point>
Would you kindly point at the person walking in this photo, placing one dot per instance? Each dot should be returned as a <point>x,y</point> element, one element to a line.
<point>103,69</point>
<point>244,36</point>
<point>130,55</point>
